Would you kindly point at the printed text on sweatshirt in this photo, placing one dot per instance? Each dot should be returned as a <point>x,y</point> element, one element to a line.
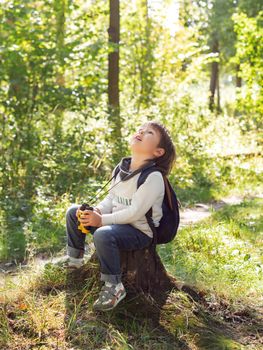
<point>125,204</point>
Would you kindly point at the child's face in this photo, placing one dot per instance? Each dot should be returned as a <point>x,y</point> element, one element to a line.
<point>145,141</point>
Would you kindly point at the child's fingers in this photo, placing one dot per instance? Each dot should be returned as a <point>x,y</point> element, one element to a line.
<point>84,221</point>
<point>85,215</point>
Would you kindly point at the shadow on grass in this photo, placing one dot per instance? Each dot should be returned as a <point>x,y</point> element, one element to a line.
<point>135,323</point>
<point>176,322</point>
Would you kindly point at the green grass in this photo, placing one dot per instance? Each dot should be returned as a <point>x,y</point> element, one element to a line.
<point>40,229</point>
<point>58,314</point>
<point>222,253</point>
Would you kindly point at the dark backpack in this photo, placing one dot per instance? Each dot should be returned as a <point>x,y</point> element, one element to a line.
<point>169,223</point>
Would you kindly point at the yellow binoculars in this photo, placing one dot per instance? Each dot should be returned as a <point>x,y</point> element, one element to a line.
<point>83,207</point>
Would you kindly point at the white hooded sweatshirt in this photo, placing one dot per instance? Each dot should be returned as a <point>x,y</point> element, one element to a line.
<point>125,204</point>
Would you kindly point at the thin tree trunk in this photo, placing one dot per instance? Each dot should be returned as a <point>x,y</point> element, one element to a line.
<point>218,108</point>
<point>214,77</point>
<point>60,10</point>
<point>113,80</point>
<point>238,78</point>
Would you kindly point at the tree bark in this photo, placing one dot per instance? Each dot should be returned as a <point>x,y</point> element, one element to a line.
<point>114,38</point>
<point>143,271</point>
<point>238,78</point>
<point>115,136</point>
<point>214,77</point>
<point>218,108</point>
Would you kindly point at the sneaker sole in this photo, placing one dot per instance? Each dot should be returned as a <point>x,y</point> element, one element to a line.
<point>97,308</point>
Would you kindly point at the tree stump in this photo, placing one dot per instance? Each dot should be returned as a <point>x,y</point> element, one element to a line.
<point>150,292</point>
<point>144,273</point>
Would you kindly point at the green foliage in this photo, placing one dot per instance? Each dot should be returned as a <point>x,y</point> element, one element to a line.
<point>249,52</point>
<point>57,137</point>
<point>59,143</point>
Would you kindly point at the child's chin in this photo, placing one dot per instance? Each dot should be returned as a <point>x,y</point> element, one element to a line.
<point>135,146</point>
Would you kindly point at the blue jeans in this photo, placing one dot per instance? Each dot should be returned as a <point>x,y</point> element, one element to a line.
<point>108,241</point>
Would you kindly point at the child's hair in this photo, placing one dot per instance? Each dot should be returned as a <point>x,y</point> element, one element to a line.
<point>166,161</point>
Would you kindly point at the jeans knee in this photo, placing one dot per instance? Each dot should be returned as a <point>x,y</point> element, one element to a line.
<point>101,236</point>
<point>72,210</point>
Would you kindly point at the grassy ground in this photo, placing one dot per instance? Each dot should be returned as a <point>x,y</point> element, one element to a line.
<point>222,256</point>
<point>222,253</point>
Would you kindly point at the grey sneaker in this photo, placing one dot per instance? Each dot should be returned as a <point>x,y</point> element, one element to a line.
<point>69,263</point>
<point>109,297</point>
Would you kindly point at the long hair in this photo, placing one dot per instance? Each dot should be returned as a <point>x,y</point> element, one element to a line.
<point>166,161</point>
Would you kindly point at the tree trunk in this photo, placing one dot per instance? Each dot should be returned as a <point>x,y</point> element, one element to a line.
<point>113,68</point>
<point>238,78</point>
<point>214,77</point>
<point>143,271</point>
<point>60,10</point>
<point>115,136</point>
<point>218,108</point>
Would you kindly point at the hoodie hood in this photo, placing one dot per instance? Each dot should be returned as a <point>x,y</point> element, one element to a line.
<point>125,173</point>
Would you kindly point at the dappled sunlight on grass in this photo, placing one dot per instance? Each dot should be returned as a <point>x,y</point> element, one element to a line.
<point>222,253</point>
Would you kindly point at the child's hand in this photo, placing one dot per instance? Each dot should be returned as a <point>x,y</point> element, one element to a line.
<point>97,210</point>
<point>90,218</point>
<point>94,209</point>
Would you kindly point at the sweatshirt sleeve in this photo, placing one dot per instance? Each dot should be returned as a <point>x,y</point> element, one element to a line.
<point>105,206</point>
<point>142,200</point>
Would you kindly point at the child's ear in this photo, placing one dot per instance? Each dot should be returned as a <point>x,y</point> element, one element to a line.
<point>159,152</point>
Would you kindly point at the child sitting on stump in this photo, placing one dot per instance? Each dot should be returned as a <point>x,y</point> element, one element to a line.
<point>118,221</point>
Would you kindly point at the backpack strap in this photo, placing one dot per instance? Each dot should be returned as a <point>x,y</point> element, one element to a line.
<point>144,174</point>
<point>116,170</point>
<point>151,224</point>
<point>167,190</point>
